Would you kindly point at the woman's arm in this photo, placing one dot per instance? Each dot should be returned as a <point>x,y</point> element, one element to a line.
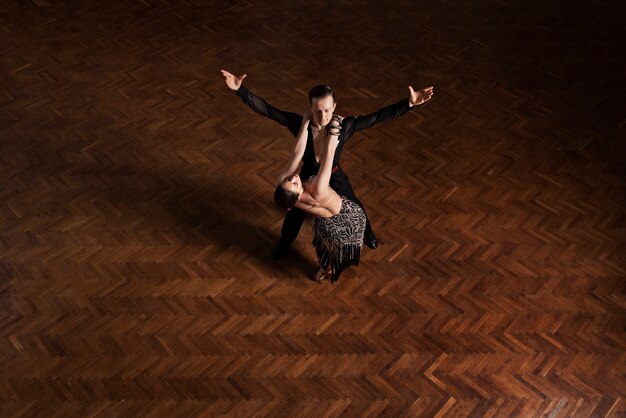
<point>298,151</point>
<point>319,188</point>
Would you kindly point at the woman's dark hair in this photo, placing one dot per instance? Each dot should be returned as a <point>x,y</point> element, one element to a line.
<point>321,91</point>
<point>285,198</point>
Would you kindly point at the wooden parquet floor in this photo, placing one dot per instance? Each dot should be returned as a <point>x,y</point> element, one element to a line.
<point>137,214</point>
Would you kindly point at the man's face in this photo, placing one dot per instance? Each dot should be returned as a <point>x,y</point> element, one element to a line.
<point>322,110</point>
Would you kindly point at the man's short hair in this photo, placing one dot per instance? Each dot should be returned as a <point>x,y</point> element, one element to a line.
<point>321,91</point>
<point>285,198</point>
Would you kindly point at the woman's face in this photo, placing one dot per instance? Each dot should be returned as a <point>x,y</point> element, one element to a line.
<point>292,183</point>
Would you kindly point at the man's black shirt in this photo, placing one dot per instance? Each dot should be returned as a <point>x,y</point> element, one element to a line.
<point>350,124</point>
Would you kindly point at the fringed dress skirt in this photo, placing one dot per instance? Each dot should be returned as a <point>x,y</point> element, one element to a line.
<point>338,240</point>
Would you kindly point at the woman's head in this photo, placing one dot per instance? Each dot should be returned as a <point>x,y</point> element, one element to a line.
<point>288,192</point>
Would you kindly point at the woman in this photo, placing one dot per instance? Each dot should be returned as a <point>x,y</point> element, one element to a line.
<point>339,223</point>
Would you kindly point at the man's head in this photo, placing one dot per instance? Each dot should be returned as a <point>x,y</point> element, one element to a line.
<point>322,99</point>
<point>288,192</point>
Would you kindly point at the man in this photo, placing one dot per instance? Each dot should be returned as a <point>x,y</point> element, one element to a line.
<point>322,101</point>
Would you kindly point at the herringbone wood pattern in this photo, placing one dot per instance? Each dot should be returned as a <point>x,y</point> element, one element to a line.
<point>137,216</point>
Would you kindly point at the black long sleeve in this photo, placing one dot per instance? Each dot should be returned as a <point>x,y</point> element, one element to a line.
<point>353,124</point>
<point>291,120</point>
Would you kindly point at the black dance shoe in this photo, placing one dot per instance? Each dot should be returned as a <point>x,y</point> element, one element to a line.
<point>370,240</point>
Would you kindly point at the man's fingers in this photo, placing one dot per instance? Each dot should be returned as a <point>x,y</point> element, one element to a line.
<point>424,90</point>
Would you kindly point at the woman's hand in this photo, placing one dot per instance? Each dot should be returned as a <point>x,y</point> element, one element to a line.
<point>334,126</point>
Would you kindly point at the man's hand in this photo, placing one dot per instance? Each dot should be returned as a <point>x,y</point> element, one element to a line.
<point>232,81</point>
<point>419,97</point>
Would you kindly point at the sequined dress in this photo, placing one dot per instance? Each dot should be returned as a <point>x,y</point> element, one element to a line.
<point>338,240</point>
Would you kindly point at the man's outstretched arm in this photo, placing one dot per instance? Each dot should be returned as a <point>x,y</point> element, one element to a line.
<point>387,113</point>
<point>289,119</point>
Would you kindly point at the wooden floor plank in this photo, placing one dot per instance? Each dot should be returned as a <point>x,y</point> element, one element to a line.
<point>137,214</point>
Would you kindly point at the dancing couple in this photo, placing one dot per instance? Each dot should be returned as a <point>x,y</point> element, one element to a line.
<point>322,188</point>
